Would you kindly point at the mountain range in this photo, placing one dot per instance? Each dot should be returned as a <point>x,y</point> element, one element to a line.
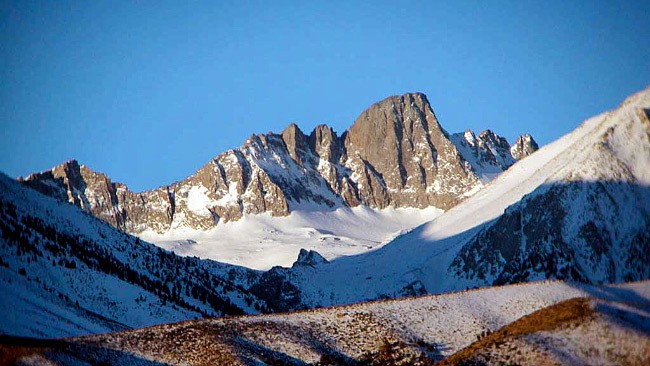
<point>487,213</point>
<point>395,154</point>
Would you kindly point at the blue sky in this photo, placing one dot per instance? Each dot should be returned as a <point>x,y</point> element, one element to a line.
<point>147,92</point>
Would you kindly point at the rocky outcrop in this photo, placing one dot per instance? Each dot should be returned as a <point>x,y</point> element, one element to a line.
<point>399,155</point>
<point>309,258</point>
<point>524,146</point>
<point>395,154</point>
<point>112,202</point>
<point>490,154</point>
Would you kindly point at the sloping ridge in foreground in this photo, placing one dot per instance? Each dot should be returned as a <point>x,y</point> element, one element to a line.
<point>554,214</point>
<point>65,273</point>
<point>417,330</point>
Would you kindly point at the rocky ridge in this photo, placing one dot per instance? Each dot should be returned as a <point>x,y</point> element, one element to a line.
<point>490,154</point>
<point>523,146</point>
<point>395,154</point>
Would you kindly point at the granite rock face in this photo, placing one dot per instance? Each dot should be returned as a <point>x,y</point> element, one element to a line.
<point>112,202</point>
<point>309,258</point>
<point>399,155</point>
<point>395,154</point>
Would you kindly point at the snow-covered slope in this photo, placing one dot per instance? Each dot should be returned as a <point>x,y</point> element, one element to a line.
<point>417,330</point>
<point>263,241</point>
<point>64,272</point>
<point>579,209</point>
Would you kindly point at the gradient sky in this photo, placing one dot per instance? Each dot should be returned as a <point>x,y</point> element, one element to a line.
<point>149,91</point>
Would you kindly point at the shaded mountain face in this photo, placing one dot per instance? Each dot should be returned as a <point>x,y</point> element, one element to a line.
<point>395,154</point>
<point>572,231</point>
<point>591,224</point>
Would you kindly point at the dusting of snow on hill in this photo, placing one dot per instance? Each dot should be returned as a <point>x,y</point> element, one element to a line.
<point>418,330</point>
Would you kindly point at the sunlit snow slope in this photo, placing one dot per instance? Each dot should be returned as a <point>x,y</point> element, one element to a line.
<point>262,241</point>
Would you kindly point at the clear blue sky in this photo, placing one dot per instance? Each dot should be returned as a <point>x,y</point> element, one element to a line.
<point>147,92</point>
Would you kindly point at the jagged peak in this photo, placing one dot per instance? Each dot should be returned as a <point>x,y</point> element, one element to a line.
<point>526,137</point>
<point>404,99</point>
<point>491,136</point>
<point>64,168</point>
<point>293,135</point>
<point>295,140</point>
<point>309,258</point>
<point>469,135</point>
<point>71,163</point>
<point>487,133</point>
<point>292,130</point>
<point>322,129</point>
<point>523,146</point>
<point>393,111</point>
<point>254,140</point>
<point>323,140</point>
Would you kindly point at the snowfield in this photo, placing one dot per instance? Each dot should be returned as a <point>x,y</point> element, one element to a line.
<point>262,241</point>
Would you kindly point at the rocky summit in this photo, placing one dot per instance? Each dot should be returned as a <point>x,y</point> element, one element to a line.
<point>395,154</point>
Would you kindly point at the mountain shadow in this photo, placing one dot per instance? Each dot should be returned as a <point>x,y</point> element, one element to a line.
<point>587,232</point>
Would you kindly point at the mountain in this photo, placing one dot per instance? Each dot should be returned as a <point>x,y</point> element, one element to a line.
<point>577,209</point>
<point>64,272</point>
<point>555,214</point>
<point>524,146</point>
<point>396,154</point>
<point>526,324</point>
<point>63,266</point>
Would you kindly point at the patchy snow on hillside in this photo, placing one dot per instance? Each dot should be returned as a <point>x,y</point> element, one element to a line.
<point>262,241</point>
<point>434,325</point>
